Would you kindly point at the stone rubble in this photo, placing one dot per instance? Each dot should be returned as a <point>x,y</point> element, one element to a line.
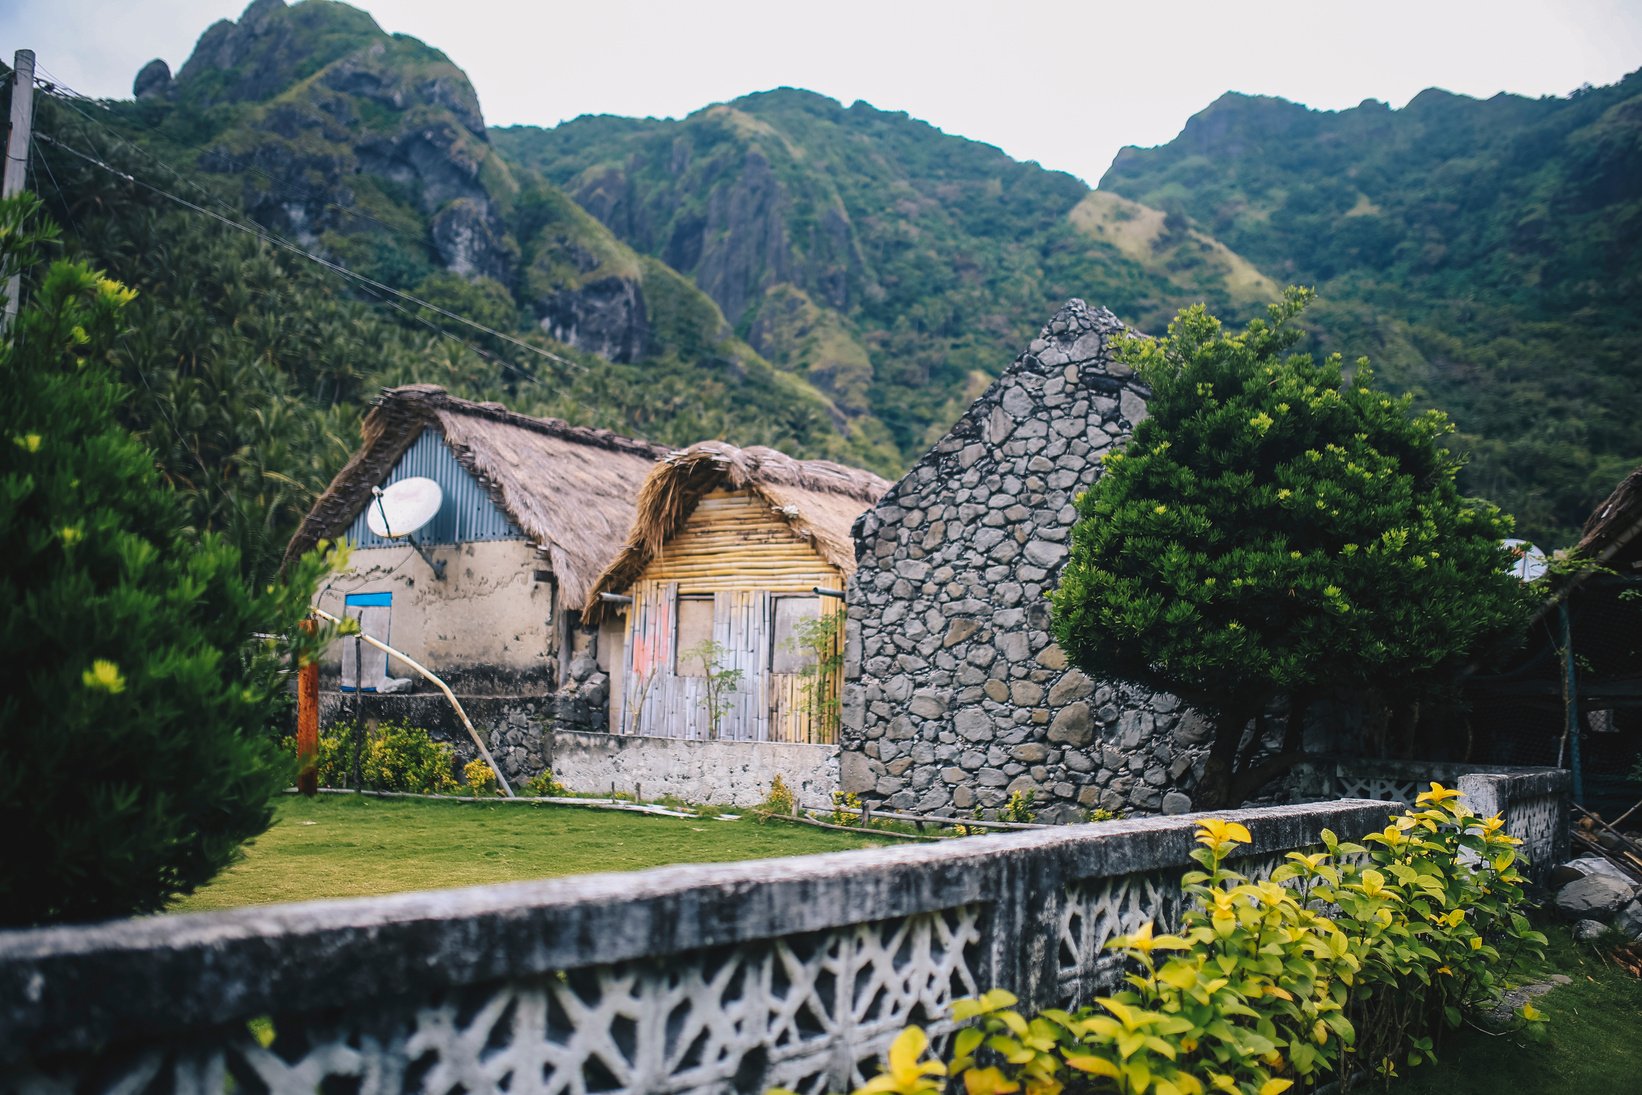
<point>956,695</point>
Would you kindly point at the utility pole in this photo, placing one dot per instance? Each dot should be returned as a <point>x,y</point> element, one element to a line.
<point>17,153</point>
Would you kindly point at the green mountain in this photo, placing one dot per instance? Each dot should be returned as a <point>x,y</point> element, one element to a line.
<point>895,266</point>
<point>1485,254</point>
<point>370,150</point>
<point>783,269</point>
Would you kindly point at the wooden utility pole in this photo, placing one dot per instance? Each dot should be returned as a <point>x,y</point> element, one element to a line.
<point>307,721</point>
<point>17,153</point>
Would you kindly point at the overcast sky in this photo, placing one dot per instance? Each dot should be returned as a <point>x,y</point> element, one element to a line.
<point>1066,84</point>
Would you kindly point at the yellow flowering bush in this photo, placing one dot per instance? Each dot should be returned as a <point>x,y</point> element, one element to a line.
<point>1348,960</point>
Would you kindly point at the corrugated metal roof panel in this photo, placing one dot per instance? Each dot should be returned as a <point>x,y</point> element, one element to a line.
<point>467,513</point>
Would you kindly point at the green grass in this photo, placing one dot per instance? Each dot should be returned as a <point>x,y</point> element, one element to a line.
<point>1593,1042</point>
<point>353,846</point>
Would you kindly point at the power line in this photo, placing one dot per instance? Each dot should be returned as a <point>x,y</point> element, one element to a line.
<point>275,185</point>
<point>336,268</point>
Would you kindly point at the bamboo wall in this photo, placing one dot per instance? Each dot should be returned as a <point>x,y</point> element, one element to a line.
<point>743,554</point>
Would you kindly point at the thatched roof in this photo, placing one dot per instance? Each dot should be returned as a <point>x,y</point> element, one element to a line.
<point>818,499</point>
<point>570,489</point>
<point>1611,532</point>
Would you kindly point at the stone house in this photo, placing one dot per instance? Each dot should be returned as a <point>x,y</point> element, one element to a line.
<point>489,597</point>
<point>956,694</point>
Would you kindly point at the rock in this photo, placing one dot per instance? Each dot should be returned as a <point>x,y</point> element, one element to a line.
<point>1073,686</point>
<point>928,705</point>
<point>1594,897</point>
<point>1175,803</point>
<point>1072,726</point>
<point>153,81</point>
<point>1628,921</point>
<point>1589,931</point>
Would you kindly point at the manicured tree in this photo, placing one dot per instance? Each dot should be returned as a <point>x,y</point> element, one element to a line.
<point>134,754</point>
<point>1275,528</point>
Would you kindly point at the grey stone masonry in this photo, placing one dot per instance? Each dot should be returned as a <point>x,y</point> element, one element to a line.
<point>956,695</point>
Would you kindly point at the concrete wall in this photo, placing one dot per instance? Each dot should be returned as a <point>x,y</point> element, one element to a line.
<point>955,693</point>
<point>711,978</point>
<point>490,619</point>
<point>731,773</point>
<point>1533,801</point>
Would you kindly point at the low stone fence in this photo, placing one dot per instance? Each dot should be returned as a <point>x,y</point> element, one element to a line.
<point>793,972</point>
<point>1533,801</point>
<point>724,773</point>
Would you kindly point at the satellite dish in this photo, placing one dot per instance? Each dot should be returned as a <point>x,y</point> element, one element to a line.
<point>1527,561</point>
<point>404,507</point>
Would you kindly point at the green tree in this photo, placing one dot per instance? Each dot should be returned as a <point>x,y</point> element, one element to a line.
<point>1276,528</point>
<point>134,751</point>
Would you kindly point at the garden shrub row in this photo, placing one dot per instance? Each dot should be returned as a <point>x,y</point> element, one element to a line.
<point>1348,962</point>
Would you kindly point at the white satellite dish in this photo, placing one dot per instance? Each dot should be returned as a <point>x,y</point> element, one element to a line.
<point>1527,561</point>
<point>404,507</point>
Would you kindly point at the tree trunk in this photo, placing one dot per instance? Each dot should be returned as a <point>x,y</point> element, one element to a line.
<point>1213,791</point>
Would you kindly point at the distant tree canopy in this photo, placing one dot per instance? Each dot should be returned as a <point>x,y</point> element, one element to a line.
<point>1277,528</point>
<point>135,751</point>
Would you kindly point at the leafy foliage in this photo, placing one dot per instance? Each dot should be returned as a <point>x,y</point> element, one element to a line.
<point>1355,956</point>
<point>1475,248</point>
<point>391,756</point>
<point>135,755</point>
<point>720,682</point>
<point>1273,527</point>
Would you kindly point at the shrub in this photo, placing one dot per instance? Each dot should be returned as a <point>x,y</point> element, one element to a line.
<point>134,755</point>
<point>479,777</point>
<point>545,785</point>
<point>846,808</point>
<point>393,756</point>
<point>1274,528</point>
<point>1019,808</point>
<point>1358,961</point>
<point>780,800</point>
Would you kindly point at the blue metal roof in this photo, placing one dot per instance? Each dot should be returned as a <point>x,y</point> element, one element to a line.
<point>467,513</point>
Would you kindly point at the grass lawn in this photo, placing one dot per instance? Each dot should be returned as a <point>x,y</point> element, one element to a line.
<point>353,846</point>
<point>1593,1043</point>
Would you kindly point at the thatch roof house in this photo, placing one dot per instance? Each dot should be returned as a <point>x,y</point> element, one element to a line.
<point>489,595</point>
<point>723,629</point>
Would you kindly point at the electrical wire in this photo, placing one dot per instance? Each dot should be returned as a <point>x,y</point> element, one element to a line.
<point>57,88</point>
<point>378,288</point>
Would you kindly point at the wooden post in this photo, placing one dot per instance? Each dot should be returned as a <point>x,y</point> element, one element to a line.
<point>307,722</point>
<point>17,156</point>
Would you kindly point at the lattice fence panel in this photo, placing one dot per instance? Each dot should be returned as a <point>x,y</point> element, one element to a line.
<point>803,1012</point>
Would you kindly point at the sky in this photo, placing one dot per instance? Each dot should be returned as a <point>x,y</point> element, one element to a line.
<point>1064,83</point>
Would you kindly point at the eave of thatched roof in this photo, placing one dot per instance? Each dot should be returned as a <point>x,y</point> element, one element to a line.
<point>1616,524</point>
<point>570,488</point>
<point>818,499</point>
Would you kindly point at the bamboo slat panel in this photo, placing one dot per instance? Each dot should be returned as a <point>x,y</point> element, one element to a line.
<point>734,548</point>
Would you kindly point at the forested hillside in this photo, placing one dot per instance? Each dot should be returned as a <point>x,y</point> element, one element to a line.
<point>897,267</point>
<point>1485,254</point>
<point>783,269</point>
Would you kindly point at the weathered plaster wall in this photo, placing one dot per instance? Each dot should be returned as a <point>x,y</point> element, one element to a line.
<point>733,773</point>
<point>956,695</point>
<point>485,628</point>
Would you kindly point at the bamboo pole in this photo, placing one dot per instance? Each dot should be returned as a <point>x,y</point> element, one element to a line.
<point>501,780</point>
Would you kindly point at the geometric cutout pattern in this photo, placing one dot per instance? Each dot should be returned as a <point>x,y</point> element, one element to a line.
<point>809,1012</point>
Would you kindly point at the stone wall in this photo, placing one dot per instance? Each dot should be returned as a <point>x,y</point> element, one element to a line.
<point>1533,801</point>
<point>510,725</point>
<point>794,973</point>
<point>724,773</point>
<point>955,693</point>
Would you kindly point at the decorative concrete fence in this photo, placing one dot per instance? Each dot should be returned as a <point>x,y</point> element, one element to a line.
<point>1533,801</point>
<point>793,972</point>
